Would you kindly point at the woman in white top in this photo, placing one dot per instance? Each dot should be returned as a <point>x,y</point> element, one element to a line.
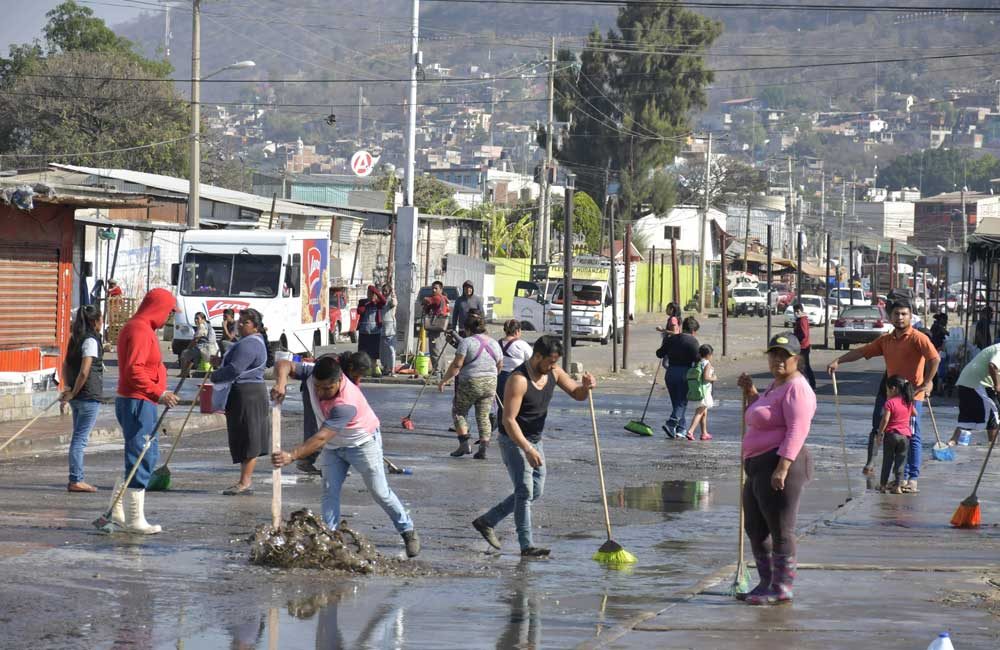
<point>515,351</point>
<point>83,381</point>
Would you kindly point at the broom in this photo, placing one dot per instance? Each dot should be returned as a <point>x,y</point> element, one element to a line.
<point>968,514</point>
<point>611,552</point>
<point>843,436</point>
<point>25,427</point>
<point>407,422</point>
<point>160,480</point>
<point>940,451</point>
<point>640,428</point>
<point>741,581</point>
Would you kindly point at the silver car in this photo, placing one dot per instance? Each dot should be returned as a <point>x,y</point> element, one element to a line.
<point>860,324</point>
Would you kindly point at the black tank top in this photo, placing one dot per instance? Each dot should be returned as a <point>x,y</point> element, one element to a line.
<point>534,406</point>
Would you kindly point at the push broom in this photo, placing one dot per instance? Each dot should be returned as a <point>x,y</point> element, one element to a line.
<point>940,451</point>
<point>611,552</point>
<point>968,513</point>
<point>105,523</point>
<point>160,480</point>
<point>639,427</point>
<point>741,581</point>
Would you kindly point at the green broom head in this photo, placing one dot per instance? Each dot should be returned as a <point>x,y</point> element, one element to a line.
<point>612,554</point>
<point>741,581</point>
<point>639,428</point>
<point>159,481</point>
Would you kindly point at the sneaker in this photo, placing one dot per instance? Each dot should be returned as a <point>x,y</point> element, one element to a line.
<point>706,436</point>
<point>534,551</point>
<point>307,467</point>
<point>487,532</point>
<point>910,487</point>
<point>667,430</point>
<point>896,490</point>
<point>412,542</point>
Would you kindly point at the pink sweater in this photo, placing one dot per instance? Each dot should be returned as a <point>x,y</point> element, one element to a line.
<point>780,419</point>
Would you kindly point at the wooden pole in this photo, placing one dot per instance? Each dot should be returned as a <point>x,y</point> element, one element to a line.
<point>826,317</point>
<point>652,277</point>
<point>723,294</point>
<point>614,283</point>
<point>892,264</point>
<point>770,284</point>
<point>675,274</point>
<point>274,201</point>
<point>276,472</point>
<point>662,259</point>
<point>626,254</point>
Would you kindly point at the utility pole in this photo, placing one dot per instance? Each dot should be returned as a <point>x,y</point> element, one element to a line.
<point>791,205</point>
<point>568,273</point>
<point>822,201</point>
<point>411,136</point>
<point>614,285</point>
<point>546,228</point>
<point>965,223</point>
<point>704,227</point>
<point>361,99</point>
<point>843,213</point>
<point>194,188</point>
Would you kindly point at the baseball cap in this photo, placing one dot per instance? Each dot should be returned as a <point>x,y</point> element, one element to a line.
<point>784,341</point>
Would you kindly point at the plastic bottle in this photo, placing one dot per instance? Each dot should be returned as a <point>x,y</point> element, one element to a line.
<point>943,642</point>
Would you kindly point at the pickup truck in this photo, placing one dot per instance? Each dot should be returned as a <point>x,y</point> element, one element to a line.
<point>747,300</point>
<point>343,316</point>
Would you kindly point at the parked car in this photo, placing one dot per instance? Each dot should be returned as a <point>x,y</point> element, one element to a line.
<point>343,316</point>
<point>815,308</point>
<point>861,324</point>
<point>747,300</point>
<point>762,288</point>
<point>842,297</point>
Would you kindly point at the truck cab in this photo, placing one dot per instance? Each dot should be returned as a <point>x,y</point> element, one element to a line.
<point>281,273</point>
<point>343,316</point>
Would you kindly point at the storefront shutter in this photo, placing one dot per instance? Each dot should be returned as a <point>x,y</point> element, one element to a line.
<point>29,295</point>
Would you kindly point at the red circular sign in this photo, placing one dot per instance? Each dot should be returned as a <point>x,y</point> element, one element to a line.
<point>362,163</point>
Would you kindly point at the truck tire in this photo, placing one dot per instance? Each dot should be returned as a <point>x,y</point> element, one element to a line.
<point>573,342</point>
<point>354,337</point>
<point>527,327</point>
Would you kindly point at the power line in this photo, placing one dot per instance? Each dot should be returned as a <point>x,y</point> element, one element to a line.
<point>755,6</point>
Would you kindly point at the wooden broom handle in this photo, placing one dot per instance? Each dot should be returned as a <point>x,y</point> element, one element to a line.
<point>743,433</point>
<point>937,436</point>
<point>843,436</point>
<point>600,465</point>
<point>25,427</point>
<point>276,472</point>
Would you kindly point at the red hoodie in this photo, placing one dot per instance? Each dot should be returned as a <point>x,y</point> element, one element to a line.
<point>141,373</point>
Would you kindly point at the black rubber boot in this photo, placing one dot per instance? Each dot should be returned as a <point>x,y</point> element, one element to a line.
<point>481,454</point>
<point>464,447</point>
<point>412,542</point>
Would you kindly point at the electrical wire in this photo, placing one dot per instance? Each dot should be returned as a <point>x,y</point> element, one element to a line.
<point>95,153</point>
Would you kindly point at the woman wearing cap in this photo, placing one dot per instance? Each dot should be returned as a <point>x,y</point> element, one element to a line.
<point>777,467</point>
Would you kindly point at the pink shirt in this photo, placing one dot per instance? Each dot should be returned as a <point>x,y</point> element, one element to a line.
<point>780,419</point>
<point>899,416</point>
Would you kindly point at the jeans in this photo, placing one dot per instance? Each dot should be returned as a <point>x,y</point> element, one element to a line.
<point>912,470</point>
<point>528,485</point>
<point>437,344</point>
<point>137,418</point>
<point>366,458</point>
<point>388,353</point>
<point>84,417</point>
<point>678,389</point>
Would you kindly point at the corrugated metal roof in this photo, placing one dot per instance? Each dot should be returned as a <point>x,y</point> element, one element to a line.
<point>208,192</point>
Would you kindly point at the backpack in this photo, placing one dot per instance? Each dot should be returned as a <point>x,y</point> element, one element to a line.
<point>695,383</point>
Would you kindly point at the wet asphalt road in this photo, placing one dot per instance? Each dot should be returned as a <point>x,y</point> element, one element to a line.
<point>673,506</point>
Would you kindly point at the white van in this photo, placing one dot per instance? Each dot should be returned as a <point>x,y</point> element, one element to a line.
<point>283,274</point>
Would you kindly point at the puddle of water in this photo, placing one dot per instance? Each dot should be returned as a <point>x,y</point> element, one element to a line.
<point>667,497</point>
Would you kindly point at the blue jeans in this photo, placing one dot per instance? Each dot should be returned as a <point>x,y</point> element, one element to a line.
<point>84,417</point>
<point>912,469</point>
<point>528,485</point>
<point>678,389</point>
<point>366,458</point>
<point>137,418</point>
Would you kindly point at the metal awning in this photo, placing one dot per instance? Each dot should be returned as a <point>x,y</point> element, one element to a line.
<point>148,226</point>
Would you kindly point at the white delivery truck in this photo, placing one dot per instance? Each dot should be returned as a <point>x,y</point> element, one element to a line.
<point>283,274</point>
<point>539,305</point>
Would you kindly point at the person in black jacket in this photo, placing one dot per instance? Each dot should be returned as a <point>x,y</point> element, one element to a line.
<point>83,372</point>
<point>681,352</point>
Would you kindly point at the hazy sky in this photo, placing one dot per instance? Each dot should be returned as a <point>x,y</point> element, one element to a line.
<point>23,19</point>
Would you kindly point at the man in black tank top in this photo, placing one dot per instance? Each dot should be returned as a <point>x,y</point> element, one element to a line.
<point>525,404</point>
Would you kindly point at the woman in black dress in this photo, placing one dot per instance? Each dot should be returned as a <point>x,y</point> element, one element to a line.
<point>240,381</point>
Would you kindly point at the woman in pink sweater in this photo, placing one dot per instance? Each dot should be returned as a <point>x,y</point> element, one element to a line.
<point>777,467</point>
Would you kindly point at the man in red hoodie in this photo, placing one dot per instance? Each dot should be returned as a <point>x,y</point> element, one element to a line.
<point>142,384</point>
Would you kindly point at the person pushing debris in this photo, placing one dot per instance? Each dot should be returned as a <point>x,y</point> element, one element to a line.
<point>526,404</point>
<point>348,431</point>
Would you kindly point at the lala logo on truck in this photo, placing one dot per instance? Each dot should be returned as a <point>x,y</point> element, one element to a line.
<point>314,256</point>
<point>216,307</point>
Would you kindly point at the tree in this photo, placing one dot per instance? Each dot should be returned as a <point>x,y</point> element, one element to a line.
<point>586,220</point>
<point>89,91</point>
<point>629,96</point>
<point>430,195</point>
<point>940,170</point>
<point>508,233</point>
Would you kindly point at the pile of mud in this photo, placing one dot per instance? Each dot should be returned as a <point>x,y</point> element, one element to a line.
<point>305,542</point>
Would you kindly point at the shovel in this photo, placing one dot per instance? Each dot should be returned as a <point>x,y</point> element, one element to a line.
<point>940,451</point>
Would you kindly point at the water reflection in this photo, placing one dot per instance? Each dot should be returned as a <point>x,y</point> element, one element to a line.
<point>383,628</point>
<point>668,496</point>
<point>524,625</point>
<point>246,635</point>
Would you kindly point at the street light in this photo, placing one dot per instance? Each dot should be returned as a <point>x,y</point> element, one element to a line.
<point>194,191</point>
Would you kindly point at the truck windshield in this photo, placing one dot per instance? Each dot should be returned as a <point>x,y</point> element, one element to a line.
<point>212,274</point>
<point>582,295</point>
<point>746,293</point>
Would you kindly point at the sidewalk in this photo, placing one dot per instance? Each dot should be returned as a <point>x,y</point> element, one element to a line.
<point>53,434</point>
<point>881,571</point>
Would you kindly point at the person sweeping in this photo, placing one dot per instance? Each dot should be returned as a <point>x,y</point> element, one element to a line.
<point>777,466</point>
<point>142,384</point>
<point>349,434</point>
<point>526,404</point>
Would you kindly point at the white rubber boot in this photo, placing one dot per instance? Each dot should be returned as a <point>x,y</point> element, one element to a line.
<point>118,512</point>
<point>135,505</point>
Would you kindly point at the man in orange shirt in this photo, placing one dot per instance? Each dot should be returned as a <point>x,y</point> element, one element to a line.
<point>911,355</point>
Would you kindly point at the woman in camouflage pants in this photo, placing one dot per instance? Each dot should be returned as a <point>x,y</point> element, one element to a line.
<point>477,361</point>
